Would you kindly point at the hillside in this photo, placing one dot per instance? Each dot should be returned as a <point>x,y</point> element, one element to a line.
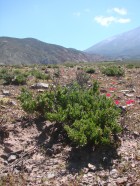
<point>32,51</point>
<point>125,46</point>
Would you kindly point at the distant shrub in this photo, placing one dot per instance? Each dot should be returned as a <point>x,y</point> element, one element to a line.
<point>3,71</point>
<point>8,78</point>
<point>90,71</point>
<point>19,79</point>
<point>113,71</point>
<point>130,66</point>
<point>53,66</point>
<point>13,77</point>
<point>82,78</point>
<point>39,75</point>
<point>87,117</point>
<point>69,64</point>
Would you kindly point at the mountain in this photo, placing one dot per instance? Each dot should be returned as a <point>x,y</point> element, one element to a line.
<point>33,51</point>
<point>125,46</point>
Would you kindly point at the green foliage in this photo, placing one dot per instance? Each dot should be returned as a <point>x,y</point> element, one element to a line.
<point>130,66</point>
<point>113,71</point>
<point>14,77</point>
<point>87,117</point>
<point>2,72</point>
<point>19,79</point>
<point>90,71</point>
<point>27,101</point>
<point>57,73</point>
<point>39,75</point>
<point>11,78</point>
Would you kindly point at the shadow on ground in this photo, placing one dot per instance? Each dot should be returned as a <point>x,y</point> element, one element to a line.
<point>53,139</point>
<point>100,158</point>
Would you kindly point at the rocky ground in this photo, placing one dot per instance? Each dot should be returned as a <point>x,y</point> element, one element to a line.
<point>32,152</point>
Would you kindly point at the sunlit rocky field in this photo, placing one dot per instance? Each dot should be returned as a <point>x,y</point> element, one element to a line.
<point>33,151</point>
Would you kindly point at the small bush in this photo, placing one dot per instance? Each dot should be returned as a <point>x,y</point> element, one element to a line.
<point>8,78</point>
<point>13,77</point>
<point>113,71</point>
<point>19,79</point>
<point>57,73</point>
<point>90,71</point>
<point>82,78</point>
<point>3,71</point>
<point>39,75</point>
<point>87,117</point>
<point>130,66</point>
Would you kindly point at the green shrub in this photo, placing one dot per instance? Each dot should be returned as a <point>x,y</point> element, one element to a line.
<point>3,71</point>
<point>82,78</point>
<point>90,71</point>
<point>19,79</point>
<point>53,66</point>
<point>27,101</point>
<point>130,66</point>
<point>87,117</point>
<point>57,73</point>
<point>13,77</point>
<point>8,78</point>
<point>113,71</point>
<point>39,75</point>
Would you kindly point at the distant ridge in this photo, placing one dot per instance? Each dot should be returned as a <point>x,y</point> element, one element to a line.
<point>125,46</point>
<point>33,51</point>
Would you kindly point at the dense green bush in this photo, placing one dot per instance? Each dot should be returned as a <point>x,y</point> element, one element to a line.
<point>11,78</point>
<point>130,66</point>
<point>87,117</point>
<point>90,71</point>
<point>2,72</point>
<point>113,71</point>
<point>8,78</point>
<point>39,75</point>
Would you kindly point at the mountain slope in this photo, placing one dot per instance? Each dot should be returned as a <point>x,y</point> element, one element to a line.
<point>32,51</point>
<point>125,45</point>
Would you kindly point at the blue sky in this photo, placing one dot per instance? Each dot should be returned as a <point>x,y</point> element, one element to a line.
<point>70,23</point>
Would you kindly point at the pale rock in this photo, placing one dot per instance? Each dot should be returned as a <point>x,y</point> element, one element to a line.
<point>124,91</point>
<point>6,92</point>
<point>129,95</point>
<point>114,173</point>
<point>40,90</point>
<point>50,175</point>
<point>91,167</point>
<point>136,134</point>
<point>40,86</point>
<point>89,174</point>
<point>12,158</point>
<point>121,180</point>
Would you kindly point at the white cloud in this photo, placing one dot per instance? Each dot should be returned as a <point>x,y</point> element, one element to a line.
<point>77,14</point>
<point>121,20</point>
<point>121,11</point>
<point>106,21</point>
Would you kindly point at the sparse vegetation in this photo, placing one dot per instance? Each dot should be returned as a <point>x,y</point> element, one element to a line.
<point>73,121</point>
<point>113,71</point>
